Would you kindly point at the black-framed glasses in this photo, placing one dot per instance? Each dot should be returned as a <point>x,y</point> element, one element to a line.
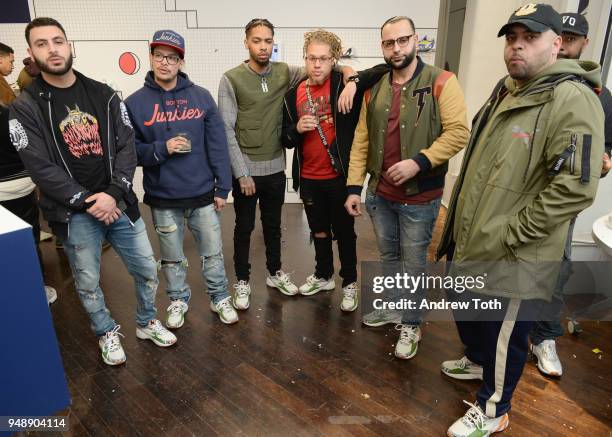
<point>170,59</point>
<point>402,41</point>
<point>323,59</point>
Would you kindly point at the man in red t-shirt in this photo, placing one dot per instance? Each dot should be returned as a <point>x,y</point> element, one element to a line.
<point>322,137</point>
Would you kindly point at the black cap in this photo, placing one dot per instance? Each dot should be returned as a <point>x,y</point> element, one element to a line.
<point>537,17</point>
<point>575,23</point>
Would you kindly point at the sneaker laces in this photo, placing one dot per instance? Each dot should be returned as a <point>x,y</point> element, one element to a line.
<point>111,339</point>
<point>408,333</point>
<point>242,288</point>
<point>157,327</point>
<point>350,290</point>
<point>225,305</point>
<point>176,307</point>
<point>283,277</point>
<point>312,280</point>
<point>549,350</point>
<point>462,363</point>
<point>474,416</point>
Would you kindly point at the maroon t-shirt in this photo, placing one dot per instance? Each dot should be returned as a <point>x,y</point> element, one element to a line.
<point>393,154</point>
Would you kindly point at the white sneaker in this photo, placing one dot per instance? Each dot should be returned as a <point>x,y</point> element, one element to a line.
<point>226,311</point>
<point>242,297</point>
<point>313,285</point>
<point>176,314</point>
<point>462,369</point>
<point>350,300</point>
<point>408,343</point>
<point>545,354</point>
<point>282,281</point>
<point>156,332</point>
<point>51,294</point>
<point>476,423</point>
<point>382,317</point>
<point>110,345</point>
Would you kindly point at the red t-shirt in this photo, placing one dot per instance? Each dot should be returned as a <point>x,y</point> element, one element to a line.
<point>393,155</point>
<point>315,160</point>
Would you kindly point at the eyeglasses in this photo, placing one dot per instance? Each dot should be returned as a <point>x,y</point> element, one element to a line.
<point>170,59</point>
<point>322,59</point>
<point>402,41</point>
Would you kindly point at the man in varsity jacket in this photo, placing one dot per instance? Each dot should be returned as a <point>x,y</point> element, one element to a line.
<point>411,123</point>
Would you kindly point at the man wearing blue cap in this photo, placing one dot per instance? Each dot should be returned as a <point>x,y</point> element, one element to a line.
<point>181,145</point>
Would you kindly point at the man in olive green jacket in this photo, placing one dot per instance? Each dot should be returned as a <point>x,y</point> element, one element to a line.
<point>533,162</point>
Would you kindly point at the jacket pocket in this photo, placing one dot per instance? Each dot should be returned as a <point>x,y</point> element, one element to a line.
<point>250,135</point>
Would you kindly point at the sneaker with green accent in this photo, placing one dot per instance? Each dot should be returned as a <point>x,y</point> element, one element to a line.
<point>242,296</point>
<point>156,332</point>
<point>475,423</point>
<point>282,281</point>
<point>408,343</point>
<point>313,285</point>
<point>226,311</point>
<point>176,314</point>
<point>110,345</point>
<point>350,298</point>
<point>462,369</point>
<point>382,317</point>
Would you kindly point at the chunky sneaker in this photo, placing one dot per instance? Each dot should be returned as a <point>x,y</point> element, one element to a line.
<point>51,294</point>
<point>350,300</point>
<point>242,297</point>
<point>545,354</point>
<point>462,369</point>
<point>226,311</point>
<point>156,332</point>
<point>282,281</point>
<point>382,317</point>
<point>313,285</point>
<point>476,424</point>
<point>110,345</point>
<point>176,314</point>
<point>408,343</point>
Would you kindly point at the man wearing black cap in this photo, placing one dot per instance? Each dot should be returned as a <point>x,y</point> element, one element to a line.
<point>532,163</point>
<point>543,334</point>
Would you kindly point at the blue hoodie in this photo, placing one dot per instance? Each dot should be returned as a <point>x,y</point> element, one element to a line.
<point>158,115</point>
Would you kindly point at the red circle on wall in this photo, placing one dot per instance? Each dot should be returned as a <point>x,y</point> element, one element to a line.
<point>129,63</point>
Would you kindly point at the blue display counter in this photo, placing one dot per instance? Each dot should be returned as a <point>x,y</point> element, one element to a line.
<point>32,379</point>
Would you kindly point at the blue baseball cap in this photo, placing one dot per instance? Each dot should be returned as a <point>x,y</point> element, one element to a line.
<point>169,38</point>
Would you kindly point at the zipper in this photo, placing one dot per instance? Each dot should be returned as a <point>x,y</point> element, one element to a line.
<point>573,141</point>
<point>336,131</point>
<point>55,139</point>
<point>110,155</point>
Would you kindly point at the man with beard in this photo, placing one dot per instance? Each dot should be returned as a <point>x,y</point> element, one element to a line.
<point>544,332</point>
<point>76,140</point>
<point>251,101</point>
<point>181,145</point>
<point>532,163</point>
<point>411,123</point>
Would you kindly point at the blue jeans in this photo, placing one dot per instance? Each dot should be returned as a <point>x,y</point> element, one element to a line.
<point>403,233</point>
<point>83,248</point>
<point>206,229</point>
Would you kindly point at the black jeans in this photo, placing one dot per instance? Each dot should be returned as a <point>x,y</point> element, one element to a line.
<point>324,206</point>
<point>26,208</point>
<point>270,190</point>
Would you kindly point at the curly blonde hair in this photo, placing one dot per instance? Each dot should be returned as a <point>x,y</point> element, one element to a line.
<point>325,37</point>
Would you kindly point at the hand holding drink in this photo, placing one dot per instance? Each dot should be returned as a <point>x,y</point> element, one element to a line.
<point>180,143</point>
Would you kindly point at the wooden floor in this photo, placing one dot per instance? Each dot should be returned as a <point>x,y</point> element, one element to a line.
<point>297,366</point>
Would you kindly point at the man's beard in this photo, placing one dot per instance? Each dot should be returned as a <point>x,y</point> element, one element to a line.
<point>404,63</point>
<point>59,71</point>
<point>560,56</point>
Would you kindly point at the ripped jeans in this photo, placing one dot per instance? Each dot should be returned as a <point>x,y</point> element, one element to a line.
<point>206,229</point>
<point>83,248</point>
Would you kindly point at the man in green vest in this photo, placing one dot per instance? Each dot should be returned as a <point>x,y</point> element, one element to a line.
<point>250,101</point>
<point>411,123</point>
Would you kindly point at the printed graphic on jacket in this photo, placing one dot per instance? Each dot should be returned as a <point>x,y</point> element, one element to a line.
<point>173,110</point>
<point>80,133</point>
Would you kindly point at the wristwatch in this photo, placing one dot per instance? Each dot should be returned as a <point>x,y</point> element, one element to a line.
<point>354,78</point>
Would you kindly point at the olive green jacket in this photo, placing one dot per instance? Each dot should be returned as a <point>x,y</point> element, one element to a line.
<point>532,163</point>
